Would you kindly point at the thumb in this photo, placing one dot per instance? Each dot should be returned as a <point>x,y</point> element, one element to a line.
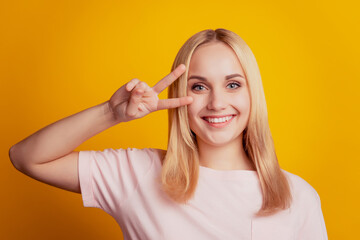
<point>135,98</point>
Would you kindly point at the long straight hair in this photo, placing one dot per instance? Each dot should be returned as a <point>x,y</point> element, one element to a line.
<point>180,165</point>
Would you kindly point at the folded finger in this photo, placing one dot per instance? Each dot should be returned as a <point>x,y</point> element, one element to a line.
<point>135,99</point>
<point>130,85</point>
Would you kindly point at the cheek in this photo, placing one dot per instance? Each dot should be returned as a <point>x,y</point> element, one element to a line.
<point>191,113</point>
<point>196,106</point>
<point>243,103</point>
<point>194,110</point>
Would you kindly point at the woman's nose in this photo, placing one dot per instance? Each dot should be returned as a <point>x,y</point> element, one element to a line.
<point>217,101</point>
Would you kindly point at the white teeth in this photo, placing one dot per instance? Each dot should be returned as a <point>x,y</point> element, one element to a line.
<point>219,120</point>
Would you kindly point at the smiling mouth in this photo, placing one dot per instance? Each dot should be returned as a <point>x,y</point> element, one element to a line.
<point>219,120</point>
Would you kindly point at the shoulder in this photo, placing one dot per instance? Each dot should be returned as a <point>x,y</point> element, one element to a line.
<point>151,155</point>
<point>158,152</point>
<point>303,193</point>
<point>122,153</point>
<point>158,155</point>
<point>138,159</point>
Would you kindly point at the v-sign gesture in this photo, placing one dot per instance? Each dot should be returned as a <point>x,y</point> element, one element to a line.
<point>136,99</point>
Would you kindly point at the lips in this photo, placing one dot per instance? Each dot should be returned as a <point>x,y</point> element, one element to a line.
<point>218,116</point>
<point>219,124</point>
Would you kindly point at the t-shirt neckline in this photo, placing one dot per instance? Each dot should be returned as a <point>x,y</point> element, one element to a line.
<point>235,174</point>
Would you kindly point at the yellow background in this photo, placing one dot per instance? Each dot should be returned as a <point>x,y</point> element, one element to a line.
<point>60,57</point>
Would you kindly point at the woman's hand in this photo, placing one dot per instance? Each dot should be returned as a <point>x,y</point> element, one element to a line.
<point>136,99</point>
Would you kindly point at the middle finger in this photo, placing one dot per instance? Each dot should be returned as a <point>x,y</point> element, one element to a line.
<point>168,79</point>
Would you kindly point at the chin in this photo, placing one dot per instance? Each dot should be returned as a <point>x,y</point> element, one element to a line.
<point>218,142</point>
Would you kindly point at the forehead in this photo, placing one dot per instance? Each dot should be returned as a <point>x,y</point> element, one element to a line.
<point>215,58</point>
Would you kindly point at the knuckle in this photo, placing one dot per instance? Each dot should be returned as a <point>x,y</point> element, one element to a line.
<point>137,92</point>
<point>137,87</point>
<point>130,85</point>
<point>143,84</point>
<point>134,80</point>
<point>140,83</point>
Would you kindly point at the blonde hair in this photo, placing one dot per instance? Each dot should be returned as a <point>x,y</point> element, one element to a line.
<point>180,165</point>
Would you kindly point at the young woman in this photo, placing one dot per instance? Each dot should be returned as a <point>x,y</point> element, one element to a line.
<point>219,177</point>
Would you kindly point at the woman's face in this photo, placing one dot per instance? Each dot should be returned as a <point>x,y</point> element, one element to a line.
<point>221,102</point>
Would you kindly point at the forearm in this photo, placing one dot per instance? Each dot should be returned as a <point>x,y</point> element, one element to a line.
<point>62,137</point>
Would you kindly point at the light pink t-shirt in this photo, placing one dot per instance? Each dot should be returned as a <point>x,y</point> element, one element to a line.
<point>122,182</point>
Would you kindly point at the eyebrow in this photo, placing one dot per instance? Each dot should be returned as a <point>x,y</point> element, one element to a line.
<point>226,78</point>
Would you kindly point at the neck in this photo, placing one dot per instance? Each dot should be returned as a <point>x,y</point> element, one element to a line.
<point>229,156</point>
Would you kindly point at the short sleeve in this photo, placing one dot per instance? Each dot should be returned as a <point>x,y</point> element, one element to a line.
<point>107,178</point>
<point>313,226</point>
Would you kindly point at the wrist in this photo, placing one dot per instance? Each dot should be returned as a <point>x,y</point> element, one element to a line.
<point>110,114</point>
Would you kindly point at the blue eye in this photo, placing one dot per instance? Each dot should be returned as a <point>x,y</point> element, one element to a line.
<point>234,83</point>
<point>198,87</point>
<point>195,86</point>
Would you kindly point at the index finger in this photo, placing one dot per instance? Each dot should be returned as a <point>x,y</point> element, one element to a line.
<point>168,79</point>
<point>174,102</point>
